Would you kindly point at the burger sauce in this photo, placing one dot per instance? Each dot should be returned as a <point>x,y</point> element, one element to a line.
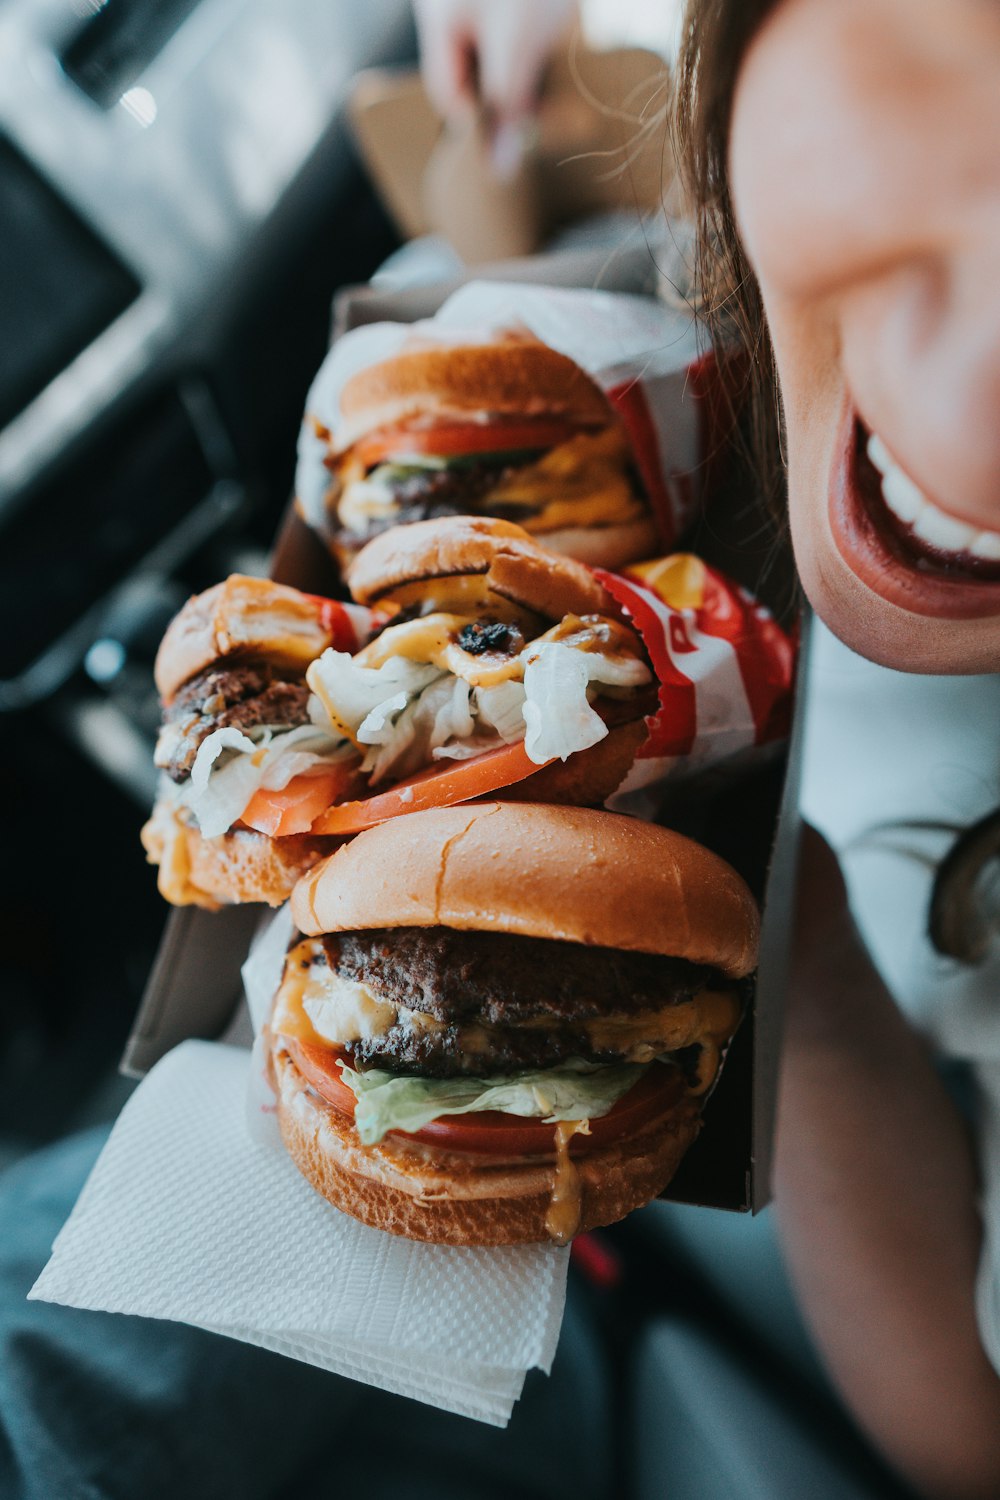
<point>563,1217</point>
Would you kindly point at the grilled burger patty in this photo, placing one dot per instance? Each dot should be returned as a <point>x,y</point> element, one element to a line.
<point>242,697</point>
<point>503,979</point>
<point>497,1002</point>
<point>425,494</point>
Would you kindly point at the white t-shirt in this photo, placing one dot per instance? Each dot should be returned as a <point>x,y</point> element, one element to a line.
<point>895,766</point>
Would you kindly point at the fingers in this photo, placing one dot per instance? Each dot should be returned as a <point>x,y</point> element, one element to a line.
<point>446,30</point>
<point>496,49</point>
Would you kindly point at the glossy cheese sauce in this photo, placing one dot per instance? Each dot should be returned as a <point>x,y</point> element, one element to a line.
<point>562,1219</point>
<point>582,482</point>
<point>165,840</point>
<point>315,1005</point>
<point>318,1006</point>
<point>709,1019</point>
<point>433,638</point>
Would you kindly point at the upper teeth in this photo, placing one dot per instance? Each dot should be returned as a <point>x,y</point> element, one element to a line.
<point>911,506</point>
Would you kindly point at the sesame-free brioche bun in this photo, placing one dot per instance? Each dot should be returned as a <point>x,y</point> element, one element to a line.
<point>512,563</point>
<point>246,617</point>
<point>567,873</point>
<point>513,374</point>
<point>236,867</point>
<point>604,546</point>
<point>452,1199</point>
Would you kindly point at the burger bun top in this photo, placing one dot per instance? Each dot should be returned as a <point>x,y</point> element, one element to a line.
<point>242,617</point>
<point>514,565</point>
<point>566,873</point>
<point>512,375</point>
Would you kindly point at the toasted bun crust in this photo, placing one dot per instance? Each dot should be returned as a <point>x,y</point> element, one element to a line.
<point>452,1200</point>
<point>604,546</point>
<point>554,872</point>
<point>239,866</point>
<point>512,374</point>
<point>244,615</point>
<point>514,564</point>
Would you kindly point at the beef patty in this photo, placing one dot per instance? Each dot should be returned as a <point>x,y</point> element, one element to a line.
<point>425,494</point>
<point>238,696</point>
<point>504,1002</point>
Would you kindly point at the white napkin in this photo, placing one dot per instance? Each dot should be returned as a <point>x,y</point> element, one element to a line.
<point>184,1217</point>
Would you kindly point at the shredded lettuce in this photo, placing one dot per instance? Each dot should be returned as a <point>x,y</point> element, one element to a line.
<point>351,693</point>
<point>268,756</point>
<point>557,713</point>
<point>503,707</point>
<point>558,717</point>
<point>574,1090</point>
<point>408,714</point>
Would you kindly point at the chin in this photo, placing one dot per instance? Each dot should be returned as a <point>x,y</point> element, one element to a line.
<point>895,578</point>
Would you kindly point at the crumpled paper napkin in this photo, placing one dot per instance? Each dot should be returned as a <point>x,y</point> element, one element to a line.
<point>186,1217</point>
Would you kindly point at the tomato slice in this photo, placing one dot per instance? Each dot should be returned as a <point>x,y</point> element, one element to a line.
<point>440,785</point>
<point>296,806</point>
<point>446,439</point>
<point>492,1131</point>
<point>320,802</point>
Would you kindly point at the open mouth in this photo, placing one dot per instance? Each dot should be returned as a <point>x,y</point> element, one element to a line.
<point>899,541</point>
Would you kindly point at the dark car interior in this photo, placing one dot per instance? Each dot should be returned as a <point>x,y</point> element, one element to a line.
<point>129,481</point>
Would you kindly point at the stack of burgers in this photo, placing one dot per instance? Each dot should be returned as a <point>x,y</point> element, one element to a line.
<point>504,1006</point>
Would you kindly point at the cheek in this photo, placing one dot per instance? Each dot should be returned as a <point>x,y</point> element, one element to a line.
<point>807,356</point>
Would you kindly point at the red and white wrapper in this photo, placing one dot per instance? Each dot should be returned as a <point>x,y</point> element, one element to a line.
<point>350,626</point>
<point>725,669</point>
<point>647,357</point>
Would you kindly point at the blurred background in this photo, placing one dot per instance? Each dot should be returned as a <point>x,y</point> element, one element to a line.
<point>180,199</point>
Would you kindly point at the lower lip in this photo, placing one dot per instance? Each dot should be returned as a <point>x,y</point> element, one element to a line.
<point>874,545</point>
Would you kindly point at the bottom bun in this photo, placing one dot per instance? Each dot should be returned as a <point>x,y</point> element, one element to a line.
<point>453,1198</point>
<point>240,866</point>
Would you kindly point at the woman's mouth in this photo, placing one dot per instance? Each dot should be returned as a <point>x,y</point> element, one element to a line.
<point>902,544</point>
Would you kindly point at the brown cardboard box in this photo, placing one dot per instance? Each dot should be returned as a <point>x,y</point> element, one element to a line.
<point>599,143</point>
<point>195,989</point>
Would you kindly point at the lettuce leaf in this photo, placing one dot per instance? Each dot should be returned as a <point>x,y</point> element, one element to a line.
<point>230,767</point>
<point>574,1090</point>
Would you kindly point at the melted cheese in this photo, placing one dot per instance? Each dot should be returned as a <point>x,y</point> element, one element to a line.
<point>433,638</point>
<point>708,1019</point>
<point>165,840</point>
<point>318,1006</point>
<point>582,482</point>
<point>468,593</point>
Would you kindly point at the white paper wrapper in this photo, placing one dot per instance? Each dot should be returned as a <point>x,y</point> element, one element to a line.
<point>185,1218</point>
<point>644,355</point>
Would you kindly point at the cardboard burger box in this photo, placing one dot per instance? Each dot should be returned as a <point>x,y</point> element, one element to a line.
<point>749,817</point>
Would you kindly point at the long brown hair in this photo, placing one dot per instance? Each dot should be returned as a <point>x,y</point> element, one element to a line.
<point>964,916</point>
<point>715,37</point>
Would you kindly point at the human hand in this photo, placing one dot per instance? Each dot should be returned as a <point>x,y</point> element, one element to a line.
<point>484,54</point>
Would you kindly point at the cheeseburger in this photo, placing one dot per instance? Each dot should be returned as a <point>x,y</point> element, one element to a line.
<point>507,428</point>
<point>501,1020</point>
<point>502,667</point>
<point>246,767</point>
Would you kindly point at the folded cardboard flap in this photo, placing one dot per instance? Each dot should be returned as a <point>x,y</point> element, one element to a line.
<point>194,984</point>
<point>751,820</point>
<point>599,143</point>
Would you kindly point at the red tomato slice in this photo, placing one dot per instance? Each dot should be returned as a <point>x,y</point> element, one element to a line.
<point>440,785</point>
<point>492,1131</point>
<point>296,807</point>
<point>447,438</point>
